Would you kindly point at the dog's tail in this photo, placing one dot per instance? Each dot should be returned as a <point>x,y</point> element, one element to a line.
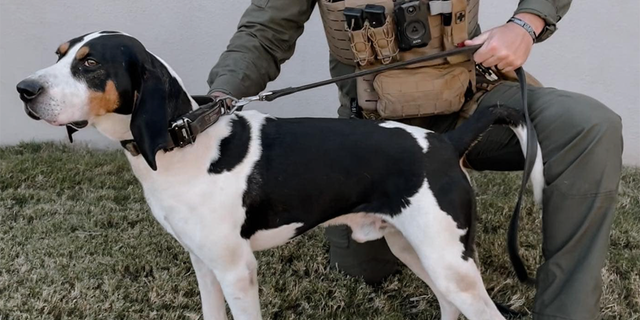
<point>465,136</point>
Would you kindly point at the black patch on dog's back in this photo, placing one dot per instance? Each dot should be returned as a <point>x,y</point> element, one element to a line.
<point>233,148</point>
<point>314,170</point>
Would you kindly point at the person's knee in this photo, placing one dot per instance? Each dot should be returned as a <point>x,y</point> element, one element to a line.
<point>583,139</point>
<point>602,126</point>
<point>588,123</point>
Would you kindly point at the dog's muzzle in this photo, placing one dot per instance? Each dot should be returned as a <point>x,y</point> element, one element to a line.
<point>29,90</point>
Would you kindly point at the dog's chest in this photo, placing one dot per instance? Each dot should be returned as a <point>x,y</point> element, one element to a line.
<point>194,207</point>
<point>186,195</point>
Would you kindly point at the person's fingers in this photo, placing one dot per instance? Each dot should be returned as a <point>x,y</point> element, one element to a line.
<point>500,48</point>
<point>482,53</point>
<point>492,61</point>
<point>503,65</point>
<point>481,38</point>
<point>485,52</point>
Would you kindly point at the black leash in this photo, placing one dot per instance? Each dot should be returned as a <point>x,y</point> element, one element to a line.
<point>529,162</point>
<point>439,55</point>
<point>275,94</point>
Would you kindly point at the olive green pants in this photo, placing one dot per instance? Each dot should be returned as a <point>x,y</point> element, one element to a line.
<point>581,143</point>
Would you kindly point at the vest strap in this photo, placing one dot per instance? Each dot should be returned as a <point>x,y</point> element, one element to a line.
<point>439,7</point>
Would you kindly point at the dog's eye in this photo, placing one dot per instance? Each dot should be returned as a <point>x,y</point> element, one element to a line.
<point>90,63</point>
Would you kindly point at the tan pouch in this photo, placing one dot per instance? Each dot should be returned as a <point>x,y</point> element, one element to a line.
<point>334,22</point>
<point>459,21</point>
<point>421,92</point>
<point>456,32</point>
<point>361,46</point>
<point>384,41</point>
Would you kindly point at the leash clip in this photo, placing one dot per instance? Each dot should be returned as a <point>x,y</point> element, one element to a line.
<point>228,108</point>
<point>262,96</point>
<point>239,103</point>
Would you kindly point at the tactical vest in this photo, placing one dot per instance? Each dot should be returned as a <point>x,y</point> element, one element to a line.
<point>435,87</point>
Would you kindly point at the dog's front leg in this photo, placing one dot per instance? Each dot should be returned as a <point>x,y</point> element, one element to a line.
<point>213,307</point>
<point>220,248</point>
<point>236,269</point>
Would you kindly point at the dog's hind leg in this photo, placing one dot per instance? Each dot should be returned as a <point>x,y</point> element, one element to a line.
<point>457,279</point>
<point>440,246</point>
<point>404,251</point>
<point>213,307</point>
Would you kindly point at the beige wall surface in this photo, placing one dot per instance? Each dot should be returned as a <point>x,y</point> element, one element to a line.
<point>596,51</point>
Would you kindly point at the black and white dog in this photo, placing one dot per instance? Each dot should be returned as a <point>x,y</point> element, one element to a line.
<point>251,182</point>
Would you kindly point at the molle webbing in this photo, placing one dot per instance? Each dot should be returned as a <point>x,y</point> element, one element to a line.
<point>438,86</point>
<point>334,28</point>
<point>338,37</point>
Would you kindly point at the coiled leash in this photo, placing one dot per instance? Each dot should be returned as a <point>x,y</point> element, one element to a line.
<point>219,107</point>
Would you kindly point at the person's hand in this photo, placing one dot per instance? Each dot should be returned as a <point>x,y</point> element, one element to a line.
<point>217,94</point>
<point>506,47</point>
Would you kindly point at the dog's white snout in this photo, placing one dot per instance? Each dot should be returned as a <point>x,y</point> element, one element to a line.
<point>54,95</point>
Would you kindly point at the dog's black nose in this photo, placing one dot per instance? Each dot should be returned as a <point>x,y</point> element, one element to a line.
<point>29,89</point>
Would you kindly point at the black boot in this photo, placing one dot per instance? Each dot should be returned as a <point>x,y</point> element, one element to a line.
<point>372,261</point>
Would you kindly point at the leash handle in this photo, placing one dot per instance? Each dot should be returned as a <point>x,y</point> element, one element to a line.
<point>287,91</point>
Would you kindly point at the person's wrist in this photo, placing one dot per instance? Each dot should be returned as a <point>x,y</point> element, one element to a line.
<point>524,28</point>
<point>536,23</point>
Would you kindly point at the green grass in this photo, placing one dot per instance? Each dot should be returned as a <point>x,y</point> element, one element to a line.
<point>77,241</point>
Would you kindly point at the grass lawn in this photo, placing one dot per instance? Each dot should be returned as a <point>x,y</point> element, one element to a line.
<point>77,241</point>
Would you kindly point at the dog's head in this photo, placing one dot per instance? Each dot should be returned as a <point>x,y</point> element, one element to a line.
<point>104,74</point>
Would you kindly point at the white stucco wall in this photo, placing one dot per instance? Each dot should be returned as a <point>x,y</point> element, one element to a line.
<point>596,52</point>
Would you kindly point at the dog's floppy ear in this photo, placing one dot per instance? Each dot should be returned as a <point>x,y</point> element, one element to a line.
<point>150,116</point>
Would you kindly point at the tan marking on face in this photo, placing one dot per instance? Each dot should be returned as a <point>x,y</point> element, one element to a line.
<point>101,103</point>
<point>62,49</point>
<point>82,53</point>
